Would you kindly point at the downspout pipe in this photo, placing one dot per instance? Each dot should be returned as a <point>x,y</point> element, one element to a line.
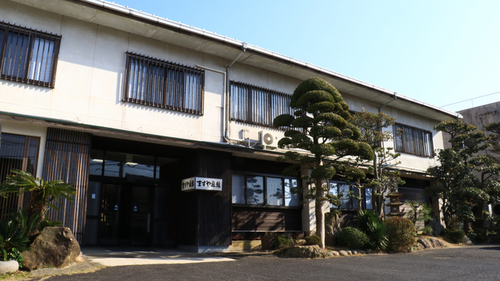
<point>226,96</point>
<point>395,97</point>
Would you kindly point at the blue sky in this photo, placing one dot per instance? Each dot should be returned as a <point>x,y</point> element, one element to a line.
<point>439,52</point>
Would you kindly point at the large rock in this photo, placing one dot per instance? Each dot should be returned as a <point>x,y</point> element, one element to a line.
<point>425,243</point>
<point>8,266</point>
<point>313,251</point>
<point>437,228</point>
<point>436,243</point>
<point>55,246</point>
<point>343,253</point>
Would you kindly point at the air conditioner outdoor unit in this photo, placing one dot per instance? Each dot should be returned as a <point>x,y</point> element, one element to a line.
<point>267,140</point>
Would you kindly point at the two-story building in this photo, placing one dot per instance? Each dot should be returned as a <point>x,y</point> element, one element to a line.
<point>165,129</point>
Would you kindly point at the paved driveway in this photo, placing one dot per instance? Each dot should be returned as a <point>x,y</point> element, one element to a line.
<point>466,263</point>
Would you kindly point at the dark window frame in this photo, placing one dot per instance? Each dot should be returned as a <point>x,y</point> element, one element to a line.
<point>162,84</point>
<point>242,109</point>
<point>265,192</point>
<point>14,201</point>
<point>412,140</point>
<point>352,202</point>
<point>22,63</point>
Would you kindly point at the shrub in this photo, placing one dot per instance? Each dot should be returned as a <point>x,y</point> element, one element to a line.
<point>478,235</point>
<point>454,235</point>
<point>371,224</point>
<point>313,240</point>
<point>14,233</point>
<point>354,238</point>
<point>427,230</point>
<point>281,241</point>
<point>401,234</point>
<point>365,218</point>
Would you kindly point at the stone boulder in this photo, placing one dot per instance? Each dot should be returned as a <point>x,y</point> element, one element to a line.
<point>343,253</point>
<point>437,243</point>
<point>425,243</point>
<point>467,241</point>
<point>55,246</point>
<point>311,251</point>
<point>437,228</point>
<point>8,267</point>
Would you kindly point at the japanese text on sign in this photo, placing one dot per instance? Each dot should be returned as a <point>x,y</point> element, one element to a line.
<point>198,183</point>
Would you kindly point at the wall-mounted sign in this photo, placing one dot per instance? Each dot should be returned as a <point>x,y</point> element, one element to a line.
<point>198,183</point>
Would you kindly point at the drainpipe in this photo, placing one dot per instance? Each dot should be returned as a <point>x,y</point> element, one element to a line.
<point>395,98</point>
<point>226,96</point>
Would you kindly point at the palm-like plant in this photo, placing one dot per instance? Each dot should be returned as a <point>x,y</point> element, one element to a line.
<point>42,192</point>
<point>15,232</point>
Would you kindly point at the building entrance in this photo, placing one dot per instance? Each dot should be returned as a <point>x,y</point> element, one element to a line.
<point>126,215</point>
<point>131,200</point>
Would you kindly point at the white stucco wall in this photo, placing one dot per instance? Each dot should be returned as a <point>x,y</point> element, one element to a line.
<point>90,77</point>
<point>89,80</point>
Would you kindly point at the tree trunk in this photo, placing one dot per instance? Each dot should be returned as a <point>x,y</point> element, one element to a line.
<point>320,216</point>
<point>377,198</point>
<point>36,206</point>
<point>358,187</point>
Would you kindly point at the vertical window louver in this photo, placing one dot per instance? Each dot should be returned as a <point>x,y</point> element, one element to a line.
<point>163,84</point>
<point>255,105</point>
<point>27,55</point>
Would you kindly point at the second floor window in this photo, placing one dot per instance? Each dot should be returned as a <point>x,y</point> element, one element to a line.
<point>413,140</point>
<point>255,105</point>
<point>163,84</point>
<point>27,55</point>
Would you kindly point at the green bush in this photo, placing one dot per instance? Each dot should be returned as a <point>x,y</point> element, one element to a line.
<point>14,233</point>
<point>354,238</point>
<point>313,240</point>
<point>371,224</point>
<point>17,256</point>
<point>401,234</point>
<point>281,241</point>
<point>454,235</point>
<point>478,235</point>
<point>365,218</point>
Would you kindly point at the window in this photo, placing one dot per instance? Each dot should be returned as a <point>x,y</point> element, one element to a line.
<point>126,165</point>
<point>20,153</point>
<point>412,140</point>
<point>255,105</point>
<point>342,190</point>
<point>163,84</point>
<point>264,190</point>
<point>27,55</point>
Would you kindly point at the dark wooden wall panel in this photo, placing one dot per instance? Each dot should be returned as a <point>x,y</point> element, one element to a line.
<point>262,219</point>
<point>214,212</point>
<point>67,158</point>
<point>187,215</point>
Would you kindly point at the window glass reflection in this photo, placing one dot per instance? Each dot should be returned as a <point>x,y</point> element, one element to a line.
<point>291,198</point>
<point>274,191</point>
<point>255,190</point>
<point>238,196</point>
<point>96,162</point>
<point>139,166</point>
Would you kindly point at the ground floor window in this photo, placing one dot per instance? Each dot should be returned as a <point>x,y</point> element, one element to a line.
<point>345,192</point>
<point>17,152</point>
<point>267,190</point>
